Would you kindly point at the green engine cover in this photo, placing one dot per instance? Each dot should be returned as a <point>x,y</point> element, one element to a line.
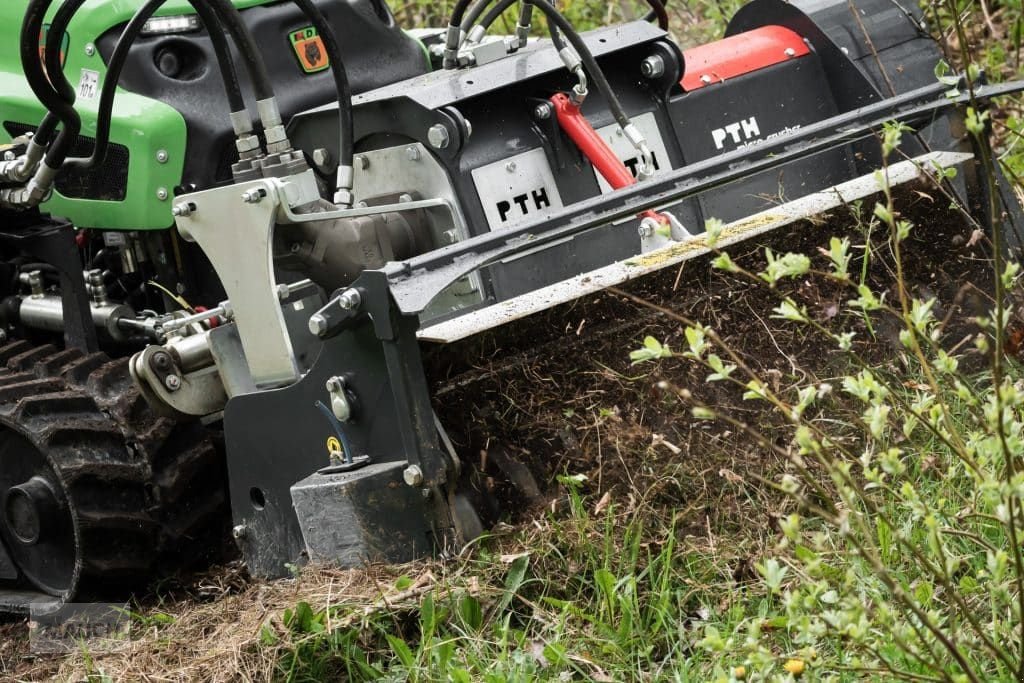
<point>153,132</point>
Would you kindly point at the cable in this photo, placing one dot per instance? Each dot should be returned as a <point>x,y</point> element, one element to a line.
<point>658,12</point>
<point>341,83</point>
<point>559,24</point>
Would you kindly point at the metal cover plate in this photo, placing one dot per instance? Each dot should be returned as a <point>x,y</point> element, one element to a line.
<point>517,189</point>
<point>623,148</point>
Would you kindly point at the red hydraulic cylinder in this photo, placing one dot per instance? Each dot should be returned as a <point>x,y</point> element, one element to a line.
<point>594,147</point>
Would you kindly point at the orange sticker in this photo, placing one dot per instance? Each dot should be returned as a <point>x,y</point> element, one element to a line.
<point>309,48</point>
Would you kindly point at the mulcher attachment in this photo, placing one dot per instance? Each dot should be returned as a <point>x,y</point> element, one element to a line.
<point>95,492</point>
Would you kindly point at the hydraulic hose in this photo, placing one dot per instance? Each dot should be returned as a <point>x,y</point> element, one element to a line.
<point>231,19</point>
<point>341,84</point>
<point>48,96</point>
<point>58,27</point>
<point>494,12</point>
<point>559,24</point>
<point>118,59</point>
<point>658,12</point>
<point>474,14</point>
<point>54,41</point>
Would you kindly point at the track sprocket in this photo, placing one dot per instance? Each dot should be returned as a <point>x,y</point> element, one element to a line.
<point>95,490</point>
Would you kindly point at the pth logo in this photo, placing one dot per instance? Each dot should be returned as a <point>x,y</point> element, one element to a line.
<point>309,48</point>
<point>65,41</point>
<point>739,132</point>
<point>526,204</point>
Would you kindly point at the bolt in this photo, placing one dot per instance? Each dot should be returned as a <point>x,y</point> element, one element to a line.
<point>239,532</point>
<point>653,67</point>
<point>318,324</point>
<point>705,79</point>
<point>254,195</point>
<point>172,382</point>
<point>335,384</point>
<point>183,210</point>
<point>161,361</point>
<point>295,248</point>
<point>162,194</point>
<point>645,231</point>
<point>404,198</point>
<point>10,156</point>
<point>438,136</point>
<point>412,153</point>
<point>90,49</point>
<point>362,162</point>
<point>322,158</point>
<point>450,236</point>
<point>162,156</point>
<point>350,300</point>
<point>790,52</point>
<point>510,167</point>
<point>413,475</point>
<point>542,111</point>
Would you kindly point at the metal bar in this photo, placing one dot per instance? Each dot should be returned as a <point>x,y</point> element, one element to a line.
<point>415,282</point>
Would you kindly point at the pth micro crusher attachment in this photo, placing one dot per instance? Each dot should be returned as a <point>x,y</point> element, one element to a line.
<point>228,231</point>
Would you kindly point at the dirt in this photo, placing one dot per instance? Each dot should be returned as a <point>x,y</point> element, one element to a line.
<point>558,390</point>
<point>558,394</point>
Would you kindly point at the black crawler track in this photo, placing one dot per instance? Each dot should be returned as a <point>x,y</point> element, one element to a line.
<point>147,494</point>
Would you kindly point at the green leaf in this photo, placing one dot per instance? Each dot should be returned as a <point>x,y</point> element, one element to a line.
<point>401,651</point>
<point>773,573</point>
<point>713,231</point>
<point>514,581</point>
<point>471,612</point>
<point>652,350</point>
<point>428,616</point>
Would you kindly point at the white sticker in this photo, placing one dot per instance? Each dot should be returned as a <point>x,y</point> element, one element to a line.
<point>88,85</point>
<point>624,149</point>
<point>517,189</point>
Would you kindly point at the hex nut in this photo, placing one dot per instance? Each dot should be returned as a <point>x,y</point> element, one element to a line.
<point>438,136</point>
<point>413,475</point>
<point>653,67</point>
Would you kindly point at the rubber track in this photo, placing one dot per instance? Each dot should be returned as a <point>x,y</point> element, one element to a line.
<point>149,493</point>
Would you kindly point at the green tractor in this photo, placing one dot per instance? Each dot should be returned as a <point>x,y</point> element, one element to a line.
<point>230,230</point>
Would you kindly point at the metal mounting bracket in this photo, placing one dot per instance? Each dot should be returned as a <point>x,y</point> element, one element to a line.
<point>234,225</point>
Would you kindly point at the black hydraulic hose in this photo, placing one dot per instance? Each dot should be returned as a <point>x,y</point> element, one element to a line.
<point>459,12</point>
<point>41,87</point>
<point>232,20</point>
<point>496,11</point>
<point>119,58</point>
<point>54,42</point>
<point>658,12</point>
<point>109,90</point>
<point>341,83</point>
<point>559,24</point>
<point>474,14</point>
<point>55,69</point>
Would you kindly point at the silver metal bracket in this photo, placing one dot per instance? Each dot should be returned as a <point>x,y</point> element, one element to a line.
<point>234,225</point>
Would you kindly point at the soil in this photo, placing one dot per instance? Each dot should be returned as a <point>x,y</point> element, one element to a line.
<point>557,393</point>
